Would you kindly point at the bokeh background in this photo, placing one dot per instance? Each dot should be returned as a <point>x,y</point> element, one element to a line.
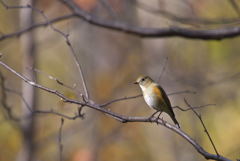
<point>111,61</point>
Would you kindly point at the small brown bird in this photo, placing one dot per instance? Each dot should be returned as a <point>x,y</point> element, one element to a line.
<point>155,97</point>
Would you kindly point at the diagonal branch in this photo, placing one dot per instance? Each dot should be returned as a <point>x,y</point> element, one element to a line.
<point>32,83</point>
<point>60,144</point>
<point>3,100</point>
<point>235,6</point>
<point>205,129</point>
<point>163,69</point>
<point>79,69</point>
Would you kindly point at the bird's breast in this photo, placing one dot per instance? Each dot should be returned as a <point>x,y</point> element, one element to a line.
<point>151,100</point>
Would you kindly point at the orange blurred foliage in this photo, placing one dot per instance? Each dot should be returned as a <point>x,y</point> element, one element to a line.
<point>86,4</point>
<point>82,155</point>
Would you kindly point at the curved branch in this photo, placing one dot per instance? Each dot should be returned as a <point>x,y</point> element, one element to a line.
<point>172,31</point>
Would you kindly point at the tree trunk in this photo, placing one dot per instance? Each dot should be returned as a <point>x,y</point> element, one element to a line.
<point>28,92</point>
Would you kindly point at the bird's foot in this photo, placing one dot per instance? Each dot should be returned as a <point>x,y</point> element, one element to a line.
<point>152,118</point>
<point>163,121</point>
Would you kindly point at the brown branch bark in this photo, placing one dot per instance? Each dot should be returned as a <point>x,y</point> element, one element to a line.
<point>144,32</point>
<point>204,126</point>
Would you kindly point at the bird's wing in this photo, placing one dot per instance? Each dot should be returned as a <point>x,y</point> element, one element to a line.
<point>165,97</point>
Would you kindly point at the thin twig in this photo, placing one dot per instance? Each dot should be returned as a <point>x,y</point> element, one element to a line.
<point>119,99</point>
<point>37,25</point>
<point>197,107</point>
<point>78,67</point>
<point>32,83</point>
<point>73,87</point>
<point>21,96</point>
<point>182,92</point>
<point>41,12</point>
<point>140,95</point>
<point>108,8</point>
<point>163,69</point>
<point>60,141</point>
<point>204,127</point>
<point>4,103</point>
<point>52,112</point>
<point>235,6</point>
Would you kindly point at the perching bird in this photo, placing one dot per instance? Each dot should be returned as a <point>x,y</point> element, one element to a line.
<point>155,97</point>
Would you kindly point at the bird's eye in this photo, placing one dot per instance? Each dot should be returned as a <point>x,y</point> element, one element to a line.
<point>143,79</point>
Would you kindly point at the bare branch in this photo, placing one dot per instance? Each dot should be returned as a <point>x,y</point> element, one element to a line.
<point>34,112</point>
<point>205,129</point>
<point>190,108</point>
<point>51,111</point>
<point>4,103</point>
<point>144,32</point>
<point>29,6</point>
<point>120,99</point>
<point>182,92</point>
<point>40,86</point>
<point>182,134</point>
<point>122,118</point>
<point>235,6</point>
<point>140,95</point>
<point>108,8</point>
<point>78,67</point>
<point>163,69</point>
<point>35,26</point>
<point>72,87</point>
<point>172,31</point>
<point>21,96</point>
<point>60,141</point>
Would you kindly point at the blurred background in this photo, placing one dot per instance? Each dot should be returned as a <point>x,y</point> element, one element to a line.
<point>111,61</point>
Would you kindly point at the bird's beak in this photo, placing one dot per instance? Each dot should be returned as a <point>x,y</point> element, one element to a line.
<point>135,83</point>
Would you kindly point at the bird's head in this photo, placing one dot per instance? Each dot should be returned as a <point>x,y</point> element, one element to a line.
<point>143,81</point>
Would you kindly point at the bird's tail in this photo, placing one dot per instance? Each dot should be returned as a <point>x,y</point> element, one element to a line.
<point>171,114</point>
<point>175,121</point>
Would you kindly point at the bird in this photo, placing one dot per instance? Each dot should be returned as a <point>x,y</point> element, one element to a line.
<point>155,97</point>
